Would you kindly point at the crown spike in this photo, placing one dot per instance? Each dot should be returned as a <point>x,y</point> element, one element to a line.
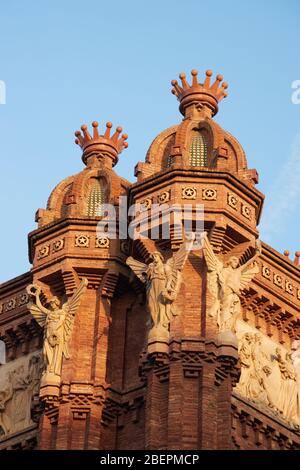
<point>185,84</point>
<point>122,142</point>
<point>207,79</point>
<point>115,137</point>
<point>86,133</point>
<point>215,86</point>
<point>95,130</point>
<point>79,140</point>
<point>221,93</point>
<point>107,130</point>
<point>194,74</point>
<point>176,88</point>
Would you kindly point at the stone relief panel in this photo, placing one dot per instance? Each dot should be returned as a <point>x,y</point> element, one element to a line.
<point>269,375</point>
<point>19,383</point>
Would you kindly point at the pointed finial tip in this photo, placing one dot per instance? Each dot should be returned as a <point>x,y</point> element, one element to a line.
<point>109,125</point>
<point>95,124</point>
<point>194,72</point>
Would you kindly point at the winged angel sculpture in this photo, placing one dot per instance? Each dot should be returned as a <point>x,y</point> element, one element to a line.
<point>225,283</point>
<point>57,322</point>
<point>163,280</point>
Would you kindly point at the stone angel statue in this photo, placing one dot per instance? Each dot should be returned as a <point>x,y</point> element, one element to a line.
<point>57,322</point>
<point>162,280</point>
<point>225,282</point>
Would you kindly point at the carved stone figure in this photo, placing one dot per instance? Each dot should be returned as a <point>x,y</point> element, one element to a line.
<point>163,280</point>
<point>21,384</point>
<point>57,322</point>
<point>269,377</point>
<point>255,368</point>
<point>225,284</point>
<point>295,355</point>
<point>5,419</point>
<point>288,399</point>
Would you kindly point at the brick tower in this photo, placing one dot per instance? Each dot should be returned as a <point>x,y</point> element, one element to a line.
<point>128,380</point>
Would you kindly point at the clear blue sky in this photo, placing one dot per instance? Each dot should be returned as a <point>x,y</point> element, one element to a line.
<point>68,62</point>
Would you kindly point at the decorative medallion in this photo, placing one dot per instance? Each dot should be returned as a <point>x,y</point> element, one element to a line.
<point>289,287</point>
<point>278,280</point>
<point>189,192</point>
<point>43,252</point>
<point>146,204</point>
<point>124,247</point>
<point>102,242</point>
<point>58,245</point>
<point>209,194</point>
<point>82,240</point>
<point>246,211</point>
<point>232,200</point>
<point>164,197</point>
<point>266,272</point>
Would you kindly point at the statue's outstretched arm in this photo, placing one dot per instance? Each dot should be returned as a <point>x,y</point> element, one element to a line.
<point>35,291</point>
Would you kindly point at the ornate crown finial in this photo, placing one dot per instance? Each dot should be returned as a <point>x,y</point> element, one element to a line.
<point>103,145</point>
<point>204,93</point>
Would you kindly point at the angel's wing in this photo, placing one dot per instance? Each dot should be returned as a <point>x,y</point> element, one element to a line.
<point>139,269</point>
<point>213,264</point>
<point>39,316</point>
<point>248,274</point>
<point>71,308</point>
<point>179,258</point>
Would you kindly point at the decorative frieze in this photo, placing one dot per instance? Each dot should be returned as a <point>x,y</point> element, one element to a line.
<point>280,281</point>
<point>14,302</point>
